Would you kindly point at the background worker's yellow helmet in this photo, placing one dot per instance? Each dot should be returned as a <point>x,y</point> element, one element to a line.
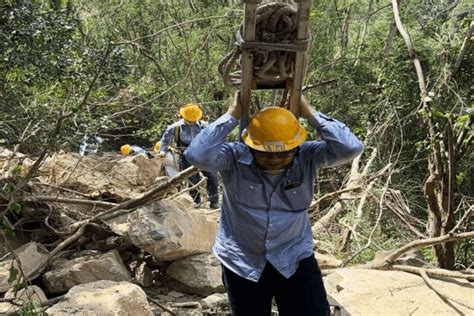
<point>191,112</point>
<point>157,147</point>
<point>126,149</point>
<point>273,129</point>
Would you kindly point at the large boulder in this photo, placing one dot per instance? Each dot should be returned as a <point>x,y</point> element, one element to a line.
<point>373,292</point>
<point>32,258</point>
<point>31,294</point>
<point>103,298</point>
<point>413,258</point>
<point>113,176</point>
<point>8,161</point>
<point>215,300</point>
<point>167,230</point>
<point>198,274</point>
<point>327,261</point>
<point>108,266</point>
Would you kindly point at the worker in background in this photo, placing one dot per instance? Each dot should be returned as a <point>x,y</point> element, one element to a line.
<point>183,132</point>
<point>264,241</point>
<point>134,150</point>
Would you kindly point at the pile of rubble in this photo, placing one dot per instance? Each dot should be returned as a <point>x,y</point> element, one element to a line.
<point>162,247</point>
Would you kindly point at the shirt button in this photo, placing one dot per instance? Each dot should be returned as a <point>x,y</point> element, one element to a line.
<point>268,241</point>
<point>251,186</point>
<point>294,192</point>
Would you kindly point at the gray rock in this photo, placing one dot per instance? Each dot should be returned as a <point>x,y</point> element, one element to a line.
<point>198,274</point>
<point>103,298</point>
<point>167,230</point>
<point>108,266</point>
<point>374,292</point>
<point>32,257</point>
<point>29,293</point>
<point>216,300</point>
<point>327,261</point>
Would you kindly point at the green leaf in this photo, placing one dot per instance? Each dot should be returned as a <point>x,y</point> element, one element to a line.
<point>7,227</point>
<point>17,169</point>
<point>15,206</point>
<point>460,177</point>
<point>463,119</point>
<point>8,188</point>
<point>422,112</point>
<point>438,113</point>
<point>13,275</point>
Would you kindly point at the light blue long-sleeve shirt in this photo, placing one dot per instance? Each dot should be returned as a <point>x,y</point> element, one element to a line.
<point>186,134</point>
<point>261,221</point>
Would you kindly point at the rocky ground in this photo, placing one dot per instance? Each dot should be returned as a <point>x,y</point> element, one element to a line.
<point>77,251</point>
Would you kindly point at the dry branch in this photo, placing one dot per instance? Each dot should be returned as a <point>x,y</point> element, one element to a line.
<point>436,273</point>
<point>159,190</point>
<point>379,217</point>
<point>44,198</point>
<point>388,260</point>
<point>464,47</point>
<point>445,298</point>
<point>160,305</point>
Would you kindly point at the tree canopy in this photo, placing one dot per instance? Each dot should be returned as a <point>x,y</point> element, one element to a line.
<point>121,69</point>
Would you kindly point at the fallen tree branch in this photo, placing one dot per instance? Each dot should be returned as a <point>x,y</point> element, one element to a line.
<point>445,298</point>
<point>45,198</point>
<point>337,208</point>
<point>404,220</point>
<point>358,217</point>
<point>331,195</point>
<point>53,300</point>
<point>469,213</point>
<point>380,173</point>
<point>129,205</point>
<point>160,305</point>
<point>186,190</point>
<point>12,300</point>
<point>436,273</point>
<point>159,190</point>
<point>379,217</point>
<point>388,260</point>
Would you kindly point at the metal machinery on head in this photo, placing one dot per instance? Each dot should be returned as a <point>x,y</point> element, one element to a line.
<point>294,82</point>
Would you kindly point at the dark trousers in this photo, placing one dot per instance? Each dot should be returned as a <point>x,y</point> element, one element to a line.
<point>212,183</point>
<point>302,294</point>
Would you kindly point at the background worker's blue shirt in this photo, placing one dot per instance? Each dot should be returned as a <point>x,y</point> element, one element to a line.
<point>186,134</point>
<point>260,221</point>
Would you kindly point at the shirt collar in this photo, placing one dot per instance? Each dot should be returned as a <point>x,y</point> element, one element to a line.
<point>246,158</point>
<point>183,123</point>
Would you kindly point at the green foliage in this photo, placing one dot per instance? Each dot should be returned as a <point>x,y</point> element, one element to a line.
<point>150,57</point>
<point>13,275</point>
<point>31,308</point>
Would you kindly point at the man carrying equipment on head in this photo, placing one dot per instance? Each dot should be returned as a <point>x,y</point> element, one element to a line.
<point>264,241</point>
<point>183,132</point>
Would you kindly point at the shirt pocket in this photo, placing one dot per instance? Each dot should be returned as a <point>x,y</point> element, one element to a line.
<point>296,199</point>
<point>250,194</point>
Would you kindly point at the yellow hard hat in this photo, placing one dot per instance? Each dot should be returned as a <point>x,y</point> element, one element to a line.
<point>274,129</point>
<point>126,149</point>
<point>157,147</point>
<point>191,112</point>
